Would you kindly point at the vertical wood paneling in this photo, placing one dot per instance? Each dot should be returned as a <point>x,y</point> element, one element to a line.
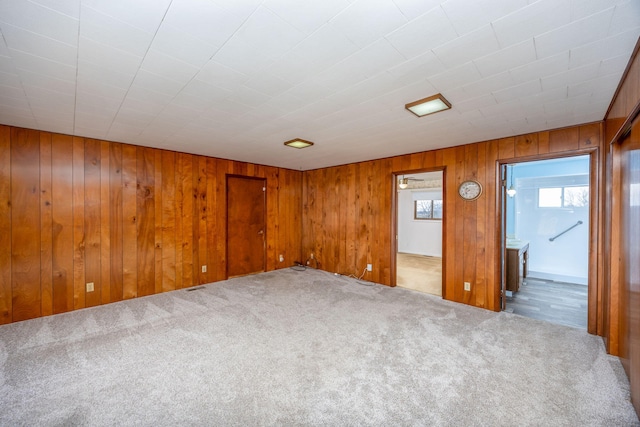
<point>145,213</point>
<point>129,227</point>
<point>62,227</point>
<point>471,229</point>
<point>5,225</point>
<point>46,237</point>
<point>105,223</point>
<point>202,219</point>
<point>92,225</point>
<point>132,220</point>
<point>116,221</point>
<point>78,224</point>
<point>25,224</point>
<point>188,218</point>
<point>168,221</point>
<point>158,200</point>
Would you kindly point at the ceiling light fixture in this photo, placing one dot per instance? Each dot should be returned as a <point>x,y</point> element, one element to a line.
<point>404,183</point>
<point>298,143</point>
<point>511,192</point>
<point>430,105</point>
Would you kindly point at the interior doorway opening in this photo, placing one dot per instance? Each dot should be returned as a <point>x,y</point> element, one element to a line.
<point>419,220</point>
<point>546,236</point>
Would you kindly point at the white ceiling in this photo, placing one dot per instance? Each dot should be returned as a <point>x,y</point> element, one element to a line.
<point>237,78</point>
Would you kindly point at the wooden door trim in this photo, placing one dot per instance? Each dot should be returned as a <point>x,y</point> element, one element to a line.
<point>595,287</point>
<point>226,207</point>
<point>394,222</point>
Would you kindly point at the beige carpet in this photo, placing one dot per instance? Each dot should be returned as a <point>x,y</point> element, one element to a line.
<point>420,273</point>
<point>304,348</point>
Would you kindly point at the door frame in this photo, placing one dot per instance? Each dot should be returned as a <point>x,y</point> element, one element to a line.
<point>394,221</point>
<point>594,286</point>
<point>226,216</point>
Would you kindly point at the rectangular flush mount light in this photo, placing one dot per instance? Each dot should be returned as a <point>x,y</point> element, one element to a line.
<point>430,105</point>
<point>298,143</point>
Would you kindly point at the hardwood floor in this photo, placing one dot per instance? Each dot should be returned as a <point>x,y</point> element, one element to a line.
<point>555,302</point>
<point>420,273</point>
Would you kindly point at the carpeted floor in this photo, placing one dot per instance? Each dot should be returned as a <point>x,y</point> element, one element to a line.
<point>420,273</point>
<point>305,348</point>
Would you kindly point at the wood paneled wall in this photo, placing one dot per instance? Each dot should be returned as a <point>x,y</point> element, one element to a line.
<point>347,210</point>
<point>134,221</point>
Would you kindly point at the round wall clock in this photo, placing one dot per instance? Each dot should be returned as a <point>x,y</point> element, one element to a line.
<point>470,190</point>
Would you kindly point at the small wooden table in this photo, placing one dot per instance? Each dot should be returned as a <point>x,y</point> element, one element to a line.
<point>517,264</point>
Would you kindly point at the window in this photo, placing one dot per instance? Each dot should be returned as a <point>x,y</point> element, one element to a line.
<point>427,209</point>
<point>563,197</point>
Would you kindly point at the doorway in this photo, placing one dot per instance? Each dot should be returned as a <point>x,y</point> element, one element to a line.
<point>246,225</point>
<point>546,229</point>
<point>419,230</point>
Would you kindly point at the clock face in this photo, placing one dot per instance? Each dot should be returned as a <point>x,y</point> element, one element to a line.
<point>470,190</point>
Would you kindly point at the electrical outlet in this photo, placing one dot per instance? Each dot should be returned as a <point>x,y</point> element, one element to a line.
<point>467,286</point>
<point>204,268</point>
<point>90,287</point>
<point>369,267</point>
<point>281,258</point>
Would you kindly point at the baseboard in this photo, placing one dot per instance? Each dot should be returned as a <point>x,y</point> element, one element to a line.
<point>558,277</point>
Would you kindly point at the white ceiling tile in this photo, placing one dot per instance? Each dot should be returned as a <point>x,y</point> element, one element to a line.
<point>241,57</point>
<point>511,57</point>
<point>66,7</point>
<point>602,49</point>
<point>324,48</point>
<point>144,14</point>
<point>607,83</point>
<point>38,45</point>
<point>294,68</point>
<point>169,67</point>
<point>134,117</point>
<point>475,103</point>
<point>10,80</point>
<point>467,16</point>
<point>248,97</point>
<point>240,8</point>
<point>108,57</point>
<point>287,102</point>
<point>220,75</point>
<point>309,89</point>
<point>95,121</point>
<point>306,16</point>
<point>613,65</point>
<point>147,105</point>
<point>92,73</point>
<point>471,46</point>
<point>155,83</point>
<point>36,64</point>
<point>625,17</point>
<point>107,30</point>
<point>31,16</point>
<point>180,45</point>
<point>518,91</point>
<point>12,91</point>
<point>97,105</point>
<point>488,84</point>
<point>424,33</point>
<point>268,84</point>
<point>377,57</point>
<point>455,77</point>
<point>281,38</point>
<point>367,20</point>
<point>577,33</point>
<point>204,20</point>
<point>419,67</point>
<point>572,76</point>
<point>414,8</point>
<point>145,95</point>
<point>541,68</point>
<point>205,90</point>
<point>47,82</point>
<point>535,19</point>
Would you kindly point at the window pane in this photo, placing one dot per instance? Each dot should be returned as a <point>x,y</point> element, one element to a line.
<point>550,197</point>
<point>437,209</point>
<point>576,197</point>
<point>423,209</point>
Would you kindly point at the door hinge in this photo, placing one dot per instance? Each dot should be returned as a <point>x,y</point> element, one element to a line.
<point>264,188</point>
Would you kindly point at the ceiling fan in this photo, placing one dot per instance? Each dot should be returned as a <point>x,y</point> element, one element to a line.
<point>404,182</point>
